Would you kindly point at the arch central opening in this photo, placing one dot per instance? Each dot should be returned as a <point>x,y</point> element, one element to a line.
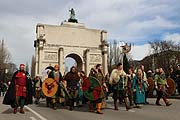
<point>73,60</point>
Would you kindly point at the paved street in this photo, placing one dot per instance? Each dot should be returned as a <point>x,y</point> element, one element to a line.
<point>148,112</point>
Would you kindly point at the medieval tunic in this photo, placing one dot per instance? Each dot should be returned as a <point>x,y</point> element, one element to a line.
<point>72,79</point>
<point>139,90</point>
<point>20,83</point>
<point>130,80</point>
<point>38,84</point>
<point>129,87</point>
<point>72,84</point>
<point>37,88</point>
<point>161,82</point>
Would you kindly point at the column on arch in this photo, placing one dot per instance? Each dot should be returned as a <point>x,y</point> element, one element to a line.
<point>61,60</point>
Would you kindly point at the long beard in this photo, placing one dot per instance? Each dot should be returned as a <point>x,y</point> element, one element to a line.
<point>21,70</point>
<point>99,70</point>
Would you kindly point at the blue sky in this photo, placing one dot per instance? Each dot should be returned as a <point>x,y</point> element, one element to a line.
<point>132,21</point>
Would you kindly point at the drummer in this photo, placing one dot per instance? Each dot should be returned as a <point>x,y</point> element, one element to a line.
<point>160,84</point>
<point>56,75</point>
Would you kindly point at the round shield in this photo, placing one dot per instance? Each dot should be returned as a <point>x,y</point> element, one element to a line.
<point>92,89</point>
<point>151,84</point>
<point>49,87</point>
<point>172,86</point>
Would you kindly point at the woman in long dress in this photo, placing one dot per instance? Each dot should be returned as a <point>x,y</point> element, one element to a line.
<point>139,88</point>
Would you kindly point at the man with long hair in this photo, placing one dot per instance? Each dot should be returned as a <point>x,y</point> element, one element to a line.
<point>118,80</point>
<point>98,74</point>
<point>72,79</point>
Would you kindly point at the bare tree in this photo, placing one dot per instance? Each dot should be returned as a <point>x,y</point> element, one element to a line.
<point>27,67</point>
<point>6,69</point>
<point>115,54</point>
<point>4,53</point>
<point>164,54</point>
<point>4,58</point>
<point>33,66</point>
<point>11,68</point>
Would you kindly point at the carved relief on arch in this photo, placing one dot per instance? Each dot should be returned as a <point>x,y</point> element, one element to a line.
<point>95,58</point>
<point>51,56</point>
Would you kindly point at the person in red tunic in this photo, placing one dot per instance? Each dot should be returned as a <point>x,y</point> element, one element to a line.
<point>20,90</point>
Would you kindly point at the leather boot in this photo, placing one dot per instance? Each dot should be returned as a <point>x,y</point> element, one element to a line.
<point>103,105</point>
<point>168,104</point>
<point>15,110</point>
<point>157,101</point>
<point>22,110</point>
<point>54,106</point>
<point>115,105</point>
<point>91,109</point>
<point>166,101</point>
<point>130,100</point>
<point>98,106</point>
<point>126,104</point>
<point>71,104</point>
<point>48,101</point>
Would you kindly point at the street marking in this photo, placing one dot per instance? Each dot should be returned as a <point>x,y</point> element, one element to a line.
<point>32,118</point>
<point>37,114</point>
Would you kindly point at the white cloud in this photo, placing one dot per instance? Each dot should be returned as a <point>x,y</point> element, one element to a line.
<point>140,51</point>
<point>128,20</point>
<point>156,23</point>
<point>174,37</point>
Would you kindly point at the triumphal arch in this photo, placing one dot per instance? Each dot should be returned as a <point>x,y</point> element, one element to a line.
<point>54,43</point>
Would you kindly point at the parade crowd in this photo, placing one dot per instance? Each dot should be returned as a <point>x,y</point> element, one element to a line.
<point>76,89</point>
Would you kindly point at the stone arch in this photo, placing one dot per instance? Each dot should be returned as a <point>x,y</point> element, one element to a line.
<point>54,43</point>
